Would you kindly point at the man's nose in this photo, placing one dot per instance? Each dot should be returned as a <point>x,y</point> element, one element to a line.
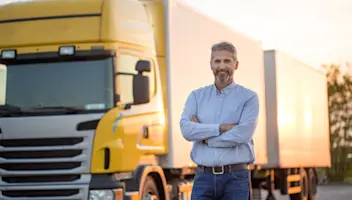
<point>222,66</point>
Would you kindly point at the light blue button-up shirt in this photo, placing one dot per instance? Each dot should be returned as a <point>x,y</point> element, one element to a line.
<point>234,104</point>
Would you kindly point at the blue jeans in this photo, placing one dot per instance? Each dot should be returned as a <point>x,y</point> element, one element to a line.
<point>228,186</point>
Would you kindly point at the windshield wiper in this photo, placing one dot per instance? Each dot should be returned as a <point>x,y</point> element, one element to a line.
<point>9,109</point>
<point>66,109</point>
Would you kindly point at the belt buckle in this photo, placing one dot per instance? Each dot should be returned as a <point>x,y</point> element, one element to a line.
<point>220,172</point>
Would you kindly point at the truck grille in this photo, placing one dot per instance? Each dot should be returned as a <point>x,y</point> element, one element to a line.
<point>40,193</point>
<point>47,168</point>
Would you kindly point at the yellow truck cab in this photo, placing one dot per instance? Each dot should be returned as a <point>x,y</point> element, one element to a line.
<point>73,68</point>
<point>91,94</point>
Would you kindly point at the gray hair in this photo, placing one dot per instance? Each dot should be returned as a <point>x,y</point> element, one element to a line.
<point>224,46</point>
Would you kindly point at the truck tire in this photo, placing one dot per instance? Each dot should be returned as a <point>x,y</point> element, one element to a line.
<point>313,184</point>
<point>304,183</point>
<point>150,190</point>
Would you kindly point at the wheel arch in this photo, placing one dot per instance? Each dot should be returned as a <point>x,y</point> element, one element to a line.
<point>140,175</point>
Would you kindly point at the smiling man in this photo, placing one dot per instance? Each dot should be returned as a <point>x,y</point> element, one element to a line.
<point>220,120</point>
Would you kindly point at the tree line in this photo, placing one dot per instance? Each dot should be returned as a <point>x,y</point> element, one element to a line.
<point>339,88</point>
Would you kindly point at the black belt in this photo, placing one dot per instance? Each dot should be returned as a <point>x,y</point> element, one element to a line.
<point>223,169</point>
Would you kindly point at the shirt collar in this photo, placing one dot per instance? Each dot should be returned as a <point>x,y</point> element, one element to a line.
<point>226,89</point>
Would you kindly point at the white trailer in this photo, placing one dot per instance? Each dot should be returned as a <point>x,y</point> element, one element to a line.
<point>297,122</point>
<point>293,98</point>
<point>297,117</point>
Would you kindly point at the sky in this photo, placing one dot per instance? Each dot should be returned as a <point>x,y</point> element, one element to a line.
<point>314,31</point>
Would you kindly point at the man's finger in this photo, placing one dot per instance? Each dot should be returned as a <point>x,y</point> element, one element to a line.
<point>195,119</point>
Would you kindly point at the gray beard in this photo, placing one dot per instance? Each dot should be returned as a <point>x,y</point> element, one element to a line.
<point>223,78</point>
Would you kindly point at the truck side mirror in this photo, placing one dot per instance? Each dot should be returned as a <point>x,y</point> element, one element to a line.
<point>141,83</point>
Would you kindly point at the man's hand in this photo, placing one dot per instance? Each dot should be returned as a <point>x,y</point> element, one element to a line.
<point>195,119</point>
<point>226,127</point>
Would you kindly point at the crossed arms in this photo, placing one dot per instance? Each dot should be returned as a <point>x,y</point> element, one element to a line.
<point>220,135</point>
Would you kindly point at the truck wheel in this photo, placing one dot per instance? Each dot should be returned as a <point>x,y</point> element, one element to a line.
<point>149,191</point>
<point>313,183</point>
<point>304,183</point>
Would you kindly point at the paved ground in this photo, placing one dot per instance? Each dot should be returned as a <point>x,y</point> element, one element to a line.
<point>331,192</point>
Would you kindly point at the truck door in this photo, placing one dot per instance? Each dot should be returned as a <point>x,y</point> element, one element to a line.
<point>143,124</point>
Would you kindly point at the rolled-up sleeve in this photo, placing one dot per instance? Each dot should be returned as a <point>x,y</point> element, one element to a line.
<point>193,131</point>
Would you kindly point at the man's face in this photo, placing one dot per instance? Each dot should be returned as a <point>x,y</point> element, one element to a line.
<point>223,66</point>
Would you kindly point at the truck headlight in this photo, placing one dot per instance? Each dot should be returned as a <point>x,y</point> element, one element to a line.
<point>101,195</point>
<point>8,54</point>
<point>67,50</point>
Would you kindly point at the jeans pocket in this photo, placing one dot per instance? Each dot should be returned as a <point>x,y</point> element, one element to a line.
<point>197,175</point>
<point>241,174</point>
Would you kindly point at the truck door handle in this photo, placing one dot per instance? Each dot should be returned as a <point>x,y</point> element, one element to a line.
<point>145,134</point>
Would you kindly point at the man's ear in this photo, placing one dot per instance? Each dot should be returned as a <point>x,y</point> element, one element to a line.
<point>236,65</point>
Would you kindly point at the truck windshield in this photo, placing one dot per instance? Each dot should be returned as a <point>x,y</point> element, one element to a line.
<point>86,85</point>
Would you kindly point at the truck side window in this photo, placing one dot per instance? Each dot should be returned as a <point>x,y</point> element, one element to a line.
<point>124,84</point>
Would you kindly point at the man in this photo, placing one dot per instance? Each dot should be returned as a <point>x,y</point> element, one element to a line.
<point>220,120</point>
